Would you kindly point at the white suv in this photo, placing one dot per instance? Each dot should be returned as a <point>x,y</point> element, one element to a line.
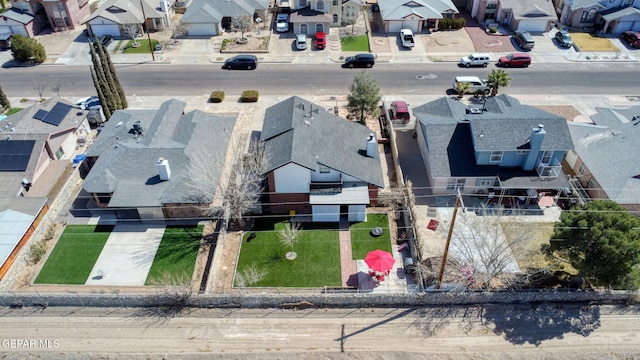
<point>475,82</point>
<point>475,60</point>
<point>282,23</point>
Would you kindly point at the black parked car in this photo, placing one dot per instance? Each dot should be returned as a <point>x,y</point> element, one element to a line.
<point>524,39</point>
<point>360,60</point>
<point>248,62</point>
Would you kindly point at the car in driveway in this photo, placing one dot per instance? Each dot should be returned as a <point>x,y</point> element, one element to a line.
<point>515,60</point>
<point>320,40</point>
<point>564,39</point>
<point>244,61</point>
<point>524,40</point>
<point>360,60</point>
<point>301,41</point>
<point>282,22</point>
<point>5,40</point>
<point>632,38</point>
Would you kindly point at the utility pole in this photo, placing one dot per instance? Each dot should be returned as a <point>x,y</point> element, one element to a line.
<point>144,19</point>
<point>446,247</point>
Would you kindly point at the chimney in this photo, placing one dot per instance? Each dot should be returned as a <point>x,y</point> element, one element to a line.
<point>372,145</point>
<point>535,144</point>
<point>163,169</point>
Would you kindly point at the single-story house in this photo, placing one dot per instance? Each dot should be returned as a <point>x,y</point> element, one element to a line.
<point>158,164</point>
<point>59,15</point>
<point>212,17</point>
<point>501,145</point>
<point>605,160</point>
<point>610,16</point>
<point>530,15</point>
<point>14,21</point>
<point>319,164</point>
<point>119,18</point>
<point>416,15</point>
<point>36,152</point>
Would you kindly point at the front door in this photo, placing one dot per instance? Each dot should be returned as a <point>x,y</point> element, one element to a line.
<point>507,18</point>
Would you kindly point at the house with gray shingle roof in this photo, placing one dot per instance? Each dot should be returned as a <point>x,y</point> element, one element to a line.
<point>157,164</point>
<point>14,21</point>
<point>319,163</point>
<point>530,15</point>
<point>414,14</point>
<point>210,17</point>
<point>605,159</point>
<point>113,15</point>
<point>611,16</point>
<point>504,145</point>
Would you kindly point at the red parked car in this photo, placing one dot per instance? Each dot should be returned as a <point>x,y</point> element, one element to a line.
<point>320,40</point>
<point>631,38</point>
<point>515,59</point>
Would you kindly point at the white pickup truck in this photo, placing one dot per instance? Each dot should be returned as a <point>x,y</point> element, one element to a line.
<point>406,37</point>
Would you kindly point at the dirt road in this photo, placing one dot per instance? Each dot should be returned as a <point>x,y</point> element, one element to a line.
<point>543,331</point>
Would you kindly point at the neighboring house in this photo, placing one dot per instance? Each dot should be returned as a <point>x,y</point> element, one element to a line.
<point>59,15</point>
<point>15,21</point>
<point>319,164</point>
<point>158,164</point>
<point>311,16</point>
<point>114,17</point>
<point>308,21</point>
<point>505,146</point>
<point>605,160</point>
<point>212,17</point>
<point>36,149</point>
<point>530,15</point>
<point>416,15</point>
<point>610,16</point>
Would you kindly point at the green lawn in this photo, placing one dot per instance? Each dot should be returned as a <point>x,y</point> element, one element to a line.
<point>142,49</point>
<point>317,264</point>
<point>74,255</point>
<point>176,256</point>
<point>361,239</point>
<point>355,43</point>
<point>13,111</point>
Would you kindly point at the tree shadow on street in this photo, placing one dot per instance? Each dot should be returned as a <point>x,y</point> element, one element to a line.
<point>535,322</point>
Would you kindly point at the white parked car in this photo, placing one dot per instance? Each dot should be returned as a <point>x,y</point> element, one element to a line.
<point>475,60</point>
<point>301,41</point>
<point>282,22</point>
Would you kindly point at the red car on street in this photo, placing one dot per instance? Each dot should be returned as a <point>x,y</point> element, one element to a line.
<point>320,40</point>
<point>515,59</point>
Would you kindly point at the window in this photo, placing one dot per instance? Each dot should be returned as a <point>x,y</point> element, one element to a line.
<point>592,184</point>
<point>589,16</point>
<point>582,169</point>
<point>522,152</point>
<point>628,2</point>
<point>303,3</point>
<point>324,169</point>
<point>454,184</point>
<point>335,18</point>
<point>59,153</point>
<point>546,157</point>
<point>320,6</point>
<point>496,156</point>
<point>335,3</point>
<point>485,182</point>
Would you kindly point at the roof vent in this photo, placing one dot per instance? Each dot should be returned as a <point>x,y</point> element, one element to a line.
<point>164,172</point>
<point>372,145</point>
<point>137,129</point>
<point>474,111</point>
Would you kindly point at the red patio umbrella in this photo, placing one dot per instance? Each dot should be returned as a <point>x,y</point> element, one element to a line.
<point>379,260</point>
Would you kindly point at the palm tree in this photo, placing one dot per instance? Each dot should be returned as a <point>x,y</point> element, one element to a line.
<point>498,78</point>
<point>463,88</point>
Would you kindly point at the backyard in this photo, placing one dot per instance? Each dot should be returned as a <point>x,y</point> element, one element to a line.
<point>318,252</point>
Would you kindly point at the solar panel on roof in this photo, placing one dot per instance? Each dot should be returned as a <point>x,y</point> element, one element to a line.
<point>15,154</point>
<point>57,114</point>
<point>41,114</point>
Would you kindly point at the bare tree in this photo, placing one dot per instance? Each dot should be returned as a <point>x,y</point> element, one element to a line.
<point>40,85</point>
<point>132,28</point>
<point>250,276</point>
<point>178,30</point>
<point>243,23</point>
<point>56,84</point>
<point>244,186</point>
<point>289,236</point>
<point>481,250</point>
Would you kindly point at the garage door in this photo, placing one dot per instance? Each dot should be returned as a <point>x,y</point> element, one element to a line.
<point>103,29</point>
<point>395,26</point>
<point>202,30</point>
<point>412,25</point>
<point>533,25</point>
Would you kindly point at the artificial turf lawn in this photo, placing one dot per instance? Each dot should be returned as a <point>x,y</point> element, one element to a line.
<point>317,263</point>
<point>355,43</point>
<point>176,255</point>
<point>74,255</point>
<point>142,49</point>
<point>363,242</point>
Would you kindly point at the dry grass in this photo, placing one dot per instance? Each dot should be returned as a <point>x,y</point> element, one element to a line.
<point>566,111</point>
<point>528,253</point>
<point>586,42</point>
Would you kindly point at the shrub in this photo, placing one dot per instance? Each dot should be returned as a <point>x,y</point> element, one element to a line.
<point>26,49</point>
<point>37,251</point>
<point>216,97</point>
<point>249,96</point>
<point>459,23</point>
<point>493,29</point>
<point>51,231</point>
<point>225,42</point>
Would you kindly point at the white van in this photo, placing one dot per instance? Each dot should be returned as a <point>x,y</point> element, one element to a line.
<point>475,60</point>
<point>301,41</point>
<point>476,84</point>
